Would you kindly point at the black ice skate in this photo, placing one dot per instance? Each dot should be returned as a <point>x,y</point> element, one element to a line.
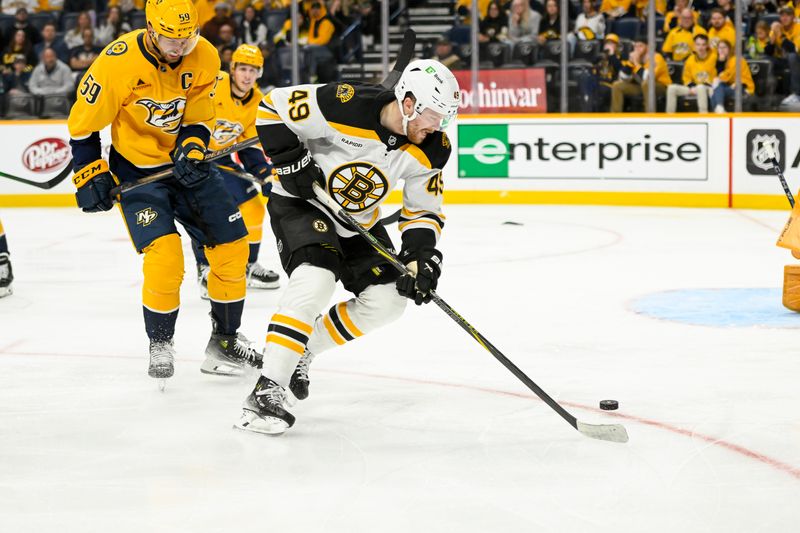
<point>162,361</point>
<point>300,381</point>
<point>230,355</point>
<point>259,277</point>
<point>202,280</point>
<point>263,410</point>
<point>6,275</point>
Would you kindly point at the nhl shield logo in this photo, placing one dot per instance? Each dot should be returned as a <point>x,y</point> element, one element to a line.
<point>358,186</point>
<point>757,161</point>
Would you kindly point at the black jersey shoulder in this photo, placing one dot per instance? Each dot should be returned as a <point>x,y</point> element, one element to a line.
<point>436,147</point>
<point>353,104</point>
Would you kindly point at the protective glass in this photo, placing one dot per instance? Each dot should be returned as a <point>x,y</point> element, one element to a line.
<point>182,47</point>
<point>431,119</point>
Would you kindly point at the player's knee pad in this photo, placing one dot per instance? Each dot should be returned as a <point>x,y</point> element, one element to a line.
<point>226,278</point>
<point>163,274</point>
<point>382,304</point>
<point>791,287</point>
<point>308,292</point>
<point>253,215</point>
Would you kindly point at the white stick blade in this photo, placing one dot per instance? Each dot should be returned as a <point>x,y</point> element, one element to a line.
<point>609,432</point>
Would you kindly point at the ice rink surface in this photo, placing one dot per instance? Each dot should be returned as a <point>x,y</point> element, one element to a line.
<point>416,427</point>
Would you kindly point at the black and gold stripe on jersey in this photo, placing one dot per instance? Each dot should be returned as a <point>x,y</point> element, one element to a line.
<point>339,326</point>
<point>289,332</point>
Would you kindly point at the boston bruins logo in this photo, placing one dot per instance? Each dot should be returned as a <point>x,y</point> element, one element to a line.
<point>164,115</point>
<point>345,92</point>
<point>226,131</point>
<point>358,186</point>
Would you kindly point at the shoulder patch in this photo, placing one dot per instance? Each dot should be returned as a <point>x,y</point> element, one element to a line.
<point>345,92</point>
<point>437,148</point>
<point>445,140</point>
<point>117,49</point>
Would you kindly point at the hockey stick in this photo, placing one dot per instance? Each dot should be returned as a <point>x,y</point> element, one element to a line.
<point>403,57</point>
<point>211,156</point>
<point>769,151</point>
<point>49,184</point>
<point>609,432</point>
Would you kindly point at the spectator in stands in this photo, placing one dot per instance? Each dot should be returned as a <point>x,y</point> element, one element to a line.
<point>80,57</point>
<point>340,13</point>
<point>226,38</point>
<point>79,6</point>
<point>679,40</point>
<point>759,8</point>
<point>16,81</point>
<point>614,9</point>
<point>758,42</point>
<point>318,52</point>
<point>112,27</point>
<point>50,39</point>
<point>699,71</point>
<point>523,22</point>
<point>51,76</point>
<point>21,23</point>
<point>589,25</point>
<point>784,41</point>
<point>271,75</point>
<point>494,26</point>
<point>594,85</point>
<point>550,27</point>
<point>634,77</point>
<point>463,8</point>
<point>728,9</point>
<point>222,15</point>
<point>205,10</point>
<point>672,17</point>
<point>443,53</point>
<point>284,36</point>
<point>724,84</point>
<point>126,6</point>
<point>74,37</point>
<point>641,6</point>
<point>720,28</point>
<point>370,22</point>
<point>253,30</point>
<point>19,46</point>
<point>225,58</point>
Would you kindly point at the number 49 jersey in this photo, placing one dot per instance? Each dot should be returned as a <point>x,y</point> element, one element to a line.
<point>362,160</point>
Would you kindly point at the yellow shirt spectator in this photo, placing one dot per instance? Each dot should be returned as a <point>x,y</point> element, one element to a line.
<point>615,8</point>
<point>205,10</point>
<point>698,71</point>
<point>729,75</point>
<point>662,73</point>
<point>727,33</point>
<point>670,20</point>
<point>680,42</point>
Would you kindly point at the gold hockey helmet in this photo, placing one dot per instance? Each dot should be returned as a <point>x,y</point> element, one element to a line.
<point>247,54</point>
<point>175,23</point>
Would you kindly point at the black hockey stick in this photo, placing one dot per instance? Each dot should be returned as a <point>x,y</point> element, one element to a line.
<point>211,156</point>
<point>403,57</point>
<point>769,151</point>
<point>49,184</point>
<point>609,432</point>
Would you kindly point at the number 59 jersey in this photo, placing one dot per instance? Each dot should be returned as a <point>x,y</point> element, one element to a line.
<point>362,160</point>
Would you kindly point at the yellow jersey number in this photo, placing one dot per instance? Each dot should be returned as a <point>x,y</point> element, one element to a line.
<point>436,185</point>
<point>90,89</point>
<point>299,109</point>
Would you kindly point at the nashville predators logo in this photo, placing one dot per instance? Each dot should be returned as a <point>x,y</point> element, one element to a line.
<point>681,49</point>
<point>226,131</point>
<point>117,49</point>
<point>358,186</point>
<point>345,92</point>
<point>702,77</point>
<point>166,116</point>
<point>145,217</point>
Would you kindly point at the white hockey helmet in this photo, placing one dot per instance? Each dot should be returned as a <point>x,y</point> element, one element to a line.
<point>435,90</point>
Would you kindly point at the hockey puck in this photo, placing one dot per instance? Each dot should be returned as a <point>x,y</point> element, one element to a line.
<point>609,405</point>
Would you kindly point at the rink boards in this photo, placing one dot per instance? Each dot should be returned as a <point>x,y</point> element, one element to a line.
<point>631,159</point>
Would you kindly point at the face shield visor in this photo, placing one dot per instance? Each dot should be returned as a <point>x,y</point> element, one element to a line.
<point>430,119</point>
<point>172,49</point>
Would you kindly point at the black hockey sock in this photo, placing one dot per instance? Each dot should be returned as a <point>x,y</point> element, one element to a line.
<point>227,316</point>
<point>254,248</point>
<point>4,246</point>
<point>160,327</point>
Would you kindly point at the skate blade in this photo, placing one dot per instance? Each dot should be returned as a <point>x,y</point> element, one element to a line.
<point>250,421</point>
<point>6,291</point>
<point>162,384</point>
<point>264,286</point>
<point>216,368</point>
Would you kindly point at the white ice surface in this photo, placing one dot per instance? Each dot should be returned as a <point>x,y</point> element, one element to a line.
<point>414,428</point>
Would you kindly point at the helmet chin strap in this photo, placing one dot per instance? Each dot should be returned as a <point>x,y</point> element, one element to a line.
<point>406,118</point>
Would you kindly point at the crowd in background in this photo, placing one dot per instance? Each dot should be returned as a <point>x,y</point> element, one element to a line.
<point>47,45</point>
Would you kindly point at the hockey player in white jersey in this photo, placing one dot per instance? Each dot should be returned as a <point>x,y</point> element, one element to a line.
<point>356,141</point>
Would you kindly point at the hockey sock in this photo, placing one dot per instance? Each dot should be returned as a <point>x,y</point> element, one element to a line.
<point>309,290</point>
<point>199,253</point>
<point>254,248</point>
<point>376,306</point>
<point>3,241</point>
<point>227,316</point>
<point>160,326</point>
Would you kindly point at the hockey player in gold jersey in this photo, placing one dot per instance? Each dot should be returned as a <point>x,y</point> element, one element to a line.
<point>236,103</point>
<point>6,274</point>
<point>154,88</point>
<point>357,141</point>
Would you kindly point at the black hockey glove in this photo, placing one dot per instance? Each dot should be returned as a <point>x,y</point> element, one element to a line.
<point>94,183</point>
<point>190,168</point>
<point>429,268</point>
<point>299,176</point>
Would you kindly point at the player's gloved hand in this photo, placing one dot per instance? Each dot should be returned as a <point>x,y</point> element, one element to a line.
<point>190,166</point>
<point>94,183</point>
<point>265,175</point>
<point>428,267</point>
<point>299,176</point>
